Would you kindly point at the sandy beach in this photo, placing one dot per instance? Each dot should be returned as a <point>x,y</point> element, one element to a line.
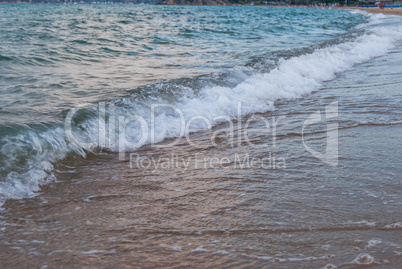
<point>139,136</point>
<point>394,11</point>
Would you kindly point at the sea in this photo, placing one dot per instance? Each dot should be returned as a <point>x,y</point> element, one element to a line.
<point>143,136</point>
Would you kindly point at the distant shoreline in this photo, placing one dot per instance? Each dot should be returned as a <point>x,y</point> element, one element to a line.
<point>390,11</point>
<point>394,11</point>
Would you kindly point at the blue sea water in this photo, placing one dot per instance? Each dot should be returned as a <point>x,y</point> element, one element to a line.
<point>57,57</point>
<point>68,55</point>
<point>78,85</point>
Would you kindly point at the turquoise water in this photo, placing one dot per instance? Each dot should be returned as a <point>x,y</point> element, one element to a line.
<point>57,57</point>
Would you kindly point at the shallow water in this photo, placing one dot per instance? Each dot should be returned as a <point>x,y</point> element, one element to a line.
<point>225,201</point>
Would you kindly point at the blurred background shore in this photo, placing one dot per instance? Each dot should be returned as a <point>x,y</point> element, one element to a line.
<point>392,11</point>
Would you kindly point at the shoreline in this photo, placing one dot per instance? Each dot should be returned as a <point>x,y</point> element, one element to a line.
<point>387,11</point>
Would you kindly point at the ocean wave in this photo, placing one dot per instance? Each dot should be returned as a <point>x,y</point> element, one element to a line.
<point>28,154</point>
<point>291,79</point>
<point>5,58</point>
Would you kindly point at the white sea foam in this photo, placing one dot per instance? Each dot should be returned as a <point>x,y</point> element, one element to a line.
<point>94,252</point>
<point>363,258</point>
<point>200,249</point>
<point>363,223</point>
<point>222,252</point>
<point>330,266</point>
<point>372,243</point>
<point>40,150</point>
<point>176,248</point>
<point>301,258</point>
<point>396,225</point>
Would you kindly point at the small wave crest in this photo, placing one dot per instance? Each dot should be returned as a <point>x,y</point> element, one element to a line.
<point>5,58</point>
<point>26,159</point>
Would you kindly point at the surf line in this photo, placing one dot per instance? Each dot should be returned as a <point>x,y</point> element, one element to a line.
<point>113,128</point>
